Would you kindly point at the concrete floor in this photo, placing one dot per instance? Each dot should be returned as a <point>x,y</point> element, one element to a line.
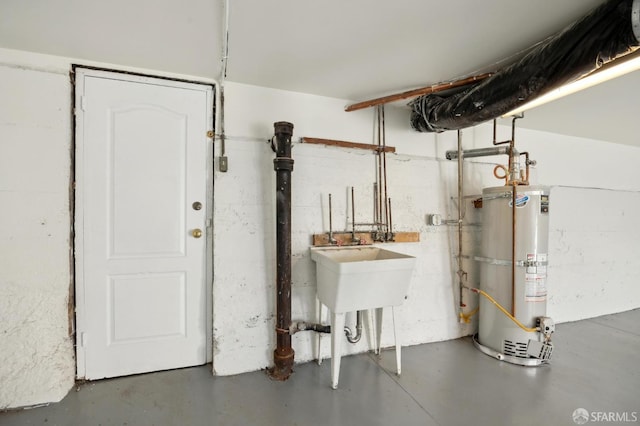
<point>595,367</point>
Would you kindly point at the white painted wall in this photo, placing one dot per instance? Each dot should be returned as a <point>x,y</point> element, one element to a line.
<point>36,341</point>
<point>592,270</point>
<point>35,162</point>
<point>592,237</point>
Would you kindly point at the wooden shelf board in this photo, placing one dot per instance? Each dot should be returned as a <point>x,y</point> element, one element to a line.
<point>364,238</point>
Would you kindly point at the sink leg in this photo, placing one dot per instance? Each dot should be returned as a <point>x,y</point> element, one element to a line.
<point>369,325</point>
<point>396,337</point>
<point>337,325</point>
<point>321,311</point>
<point>378,330</point>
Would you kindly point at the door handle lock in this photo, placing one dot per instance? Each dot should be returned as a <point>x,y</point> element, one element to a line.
<point>197,205</point>
<point>196,233</point>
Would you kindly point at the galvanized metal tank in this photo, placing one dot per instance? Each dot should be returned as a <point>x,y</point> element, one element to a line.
<point>496,330</point>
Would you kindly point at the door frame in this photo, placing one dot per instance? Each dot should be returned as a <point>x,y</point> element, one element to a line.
<point>76,291</point>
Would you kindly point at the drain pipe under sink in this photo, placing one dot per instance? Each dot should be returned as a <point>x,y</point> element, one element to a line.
<point>347,331</point>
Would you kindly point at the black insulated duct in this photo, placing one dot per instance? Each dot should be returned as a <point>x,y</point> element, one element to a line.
<point>608,32</point>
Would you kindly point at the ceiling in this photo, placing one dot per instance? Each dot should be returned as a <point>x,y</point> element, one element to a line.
<point>347,49</point>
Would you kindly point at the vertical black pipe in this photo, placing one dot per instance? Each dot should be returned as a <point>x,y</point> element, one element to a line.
<point>283,165</point>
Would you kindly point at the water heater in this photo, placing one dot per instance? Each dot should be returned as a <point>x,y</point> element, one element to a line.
<point>513,325</point>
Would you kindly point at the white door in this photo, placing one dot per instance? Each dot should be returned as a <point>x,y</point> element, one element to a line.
<point>141,168</point>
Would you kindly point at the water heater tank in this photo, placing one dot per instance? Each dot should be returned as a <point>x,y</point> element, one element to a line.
<point>526,298</point>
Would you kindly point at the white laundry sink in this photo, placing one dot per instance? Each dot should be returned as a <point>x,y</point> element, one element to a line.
<point>358,278</point>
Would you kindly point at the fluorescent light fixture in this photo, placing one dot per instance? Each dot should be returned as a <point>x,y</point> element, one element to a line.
<point>613,69</point>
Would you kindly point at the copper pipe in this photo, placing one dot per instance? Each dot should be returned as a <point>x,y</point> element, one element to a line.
<point>513,250</point>
<point>376,219</point>
<point>514,183</point>
<point>384,169</point>
<point>460,200</point>
<point>527,163</point>
<point>353,218</point>
<point>417,92</point>
<point>509,164</point>
<point>391,238</point>
<point>495,132</point>
<point>331,239</point>
<point>513,154</point>
<point>379,165</point>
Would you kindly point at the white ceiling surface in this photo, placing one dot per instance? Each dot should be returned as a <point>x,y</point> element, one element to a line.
<point>348,49</point>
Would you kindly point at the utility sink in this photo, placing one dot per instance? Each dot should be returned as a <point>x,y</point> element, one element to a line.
<point>358,278</point>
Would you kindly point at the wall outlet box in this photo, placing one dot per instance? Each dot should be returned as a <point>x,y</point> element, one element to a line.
<point>223,164</point>
<point>434,219</point>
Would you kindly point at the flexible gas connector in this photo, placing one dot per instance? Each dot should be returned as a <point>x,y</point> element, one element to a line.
<point>466,318</point>
<point>504,311</point>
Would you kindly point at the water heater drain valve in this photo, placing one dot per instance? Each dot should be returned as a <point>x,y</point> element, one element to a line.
<point>542,350</point>
<point>547,327</point>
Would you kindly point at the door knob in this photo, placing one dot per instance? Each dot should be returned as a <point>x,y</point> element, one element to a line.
<point>197,233</point>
